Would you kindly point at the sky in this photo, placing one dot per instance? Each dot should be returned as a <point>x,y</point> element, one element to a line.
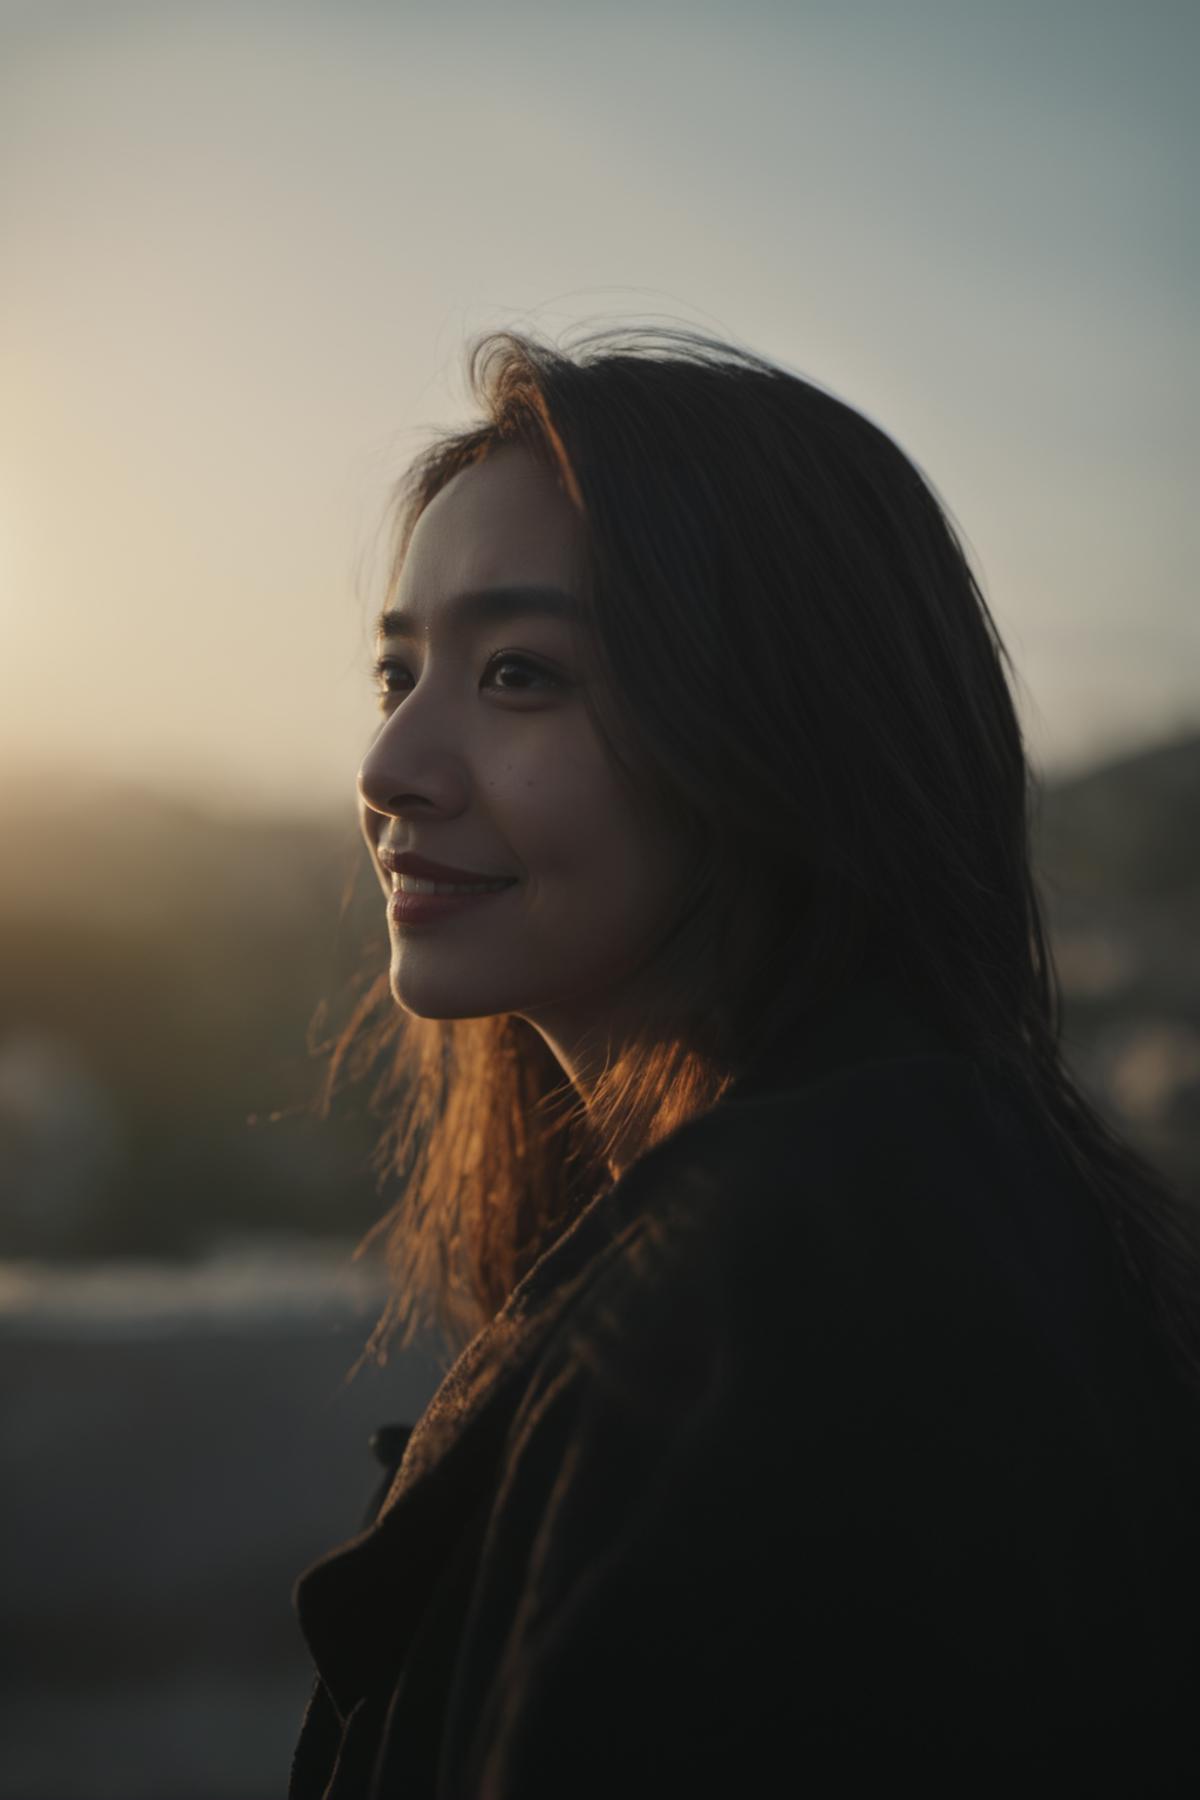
<point>243,249</point>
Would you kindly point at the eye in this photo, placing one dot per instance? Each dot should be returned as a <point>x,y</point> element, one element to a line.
<point>507,659</point>
<point>381,670</point>
<point>387,666</point>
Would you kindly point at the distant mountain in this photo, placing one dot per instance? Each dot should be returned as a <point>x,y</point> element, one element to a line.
<point>1128,829</point>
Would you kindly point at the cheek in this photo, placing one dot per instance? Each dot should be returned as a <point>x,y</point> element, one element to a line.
<point>597,873</point>
<point>563,813</point>
<point>551,801</point>
<point>577,832</point>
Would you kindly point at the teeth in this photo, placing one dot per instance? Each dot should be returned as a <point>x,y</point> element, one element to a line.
<point>417,884</point>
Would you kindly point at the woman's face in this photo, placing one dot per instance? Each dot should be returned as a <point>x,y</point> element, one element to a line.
<point>490,763</point>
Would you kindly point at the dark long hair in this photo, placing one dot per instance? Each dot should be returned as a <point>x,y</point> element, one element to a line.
<point>796,661</point>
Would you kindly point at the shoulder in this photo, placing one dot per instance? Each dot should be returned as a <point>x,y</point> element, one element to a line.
<point>852,1144</point>
<point>820,1393</point>
<point>895,1239</point>
<point>868,1208</point>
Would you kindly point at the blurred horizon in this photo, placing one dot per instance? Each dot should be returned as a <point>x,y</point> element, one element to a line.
<point>248,247</point>
<point>42,789</point>
<point>53,792</point>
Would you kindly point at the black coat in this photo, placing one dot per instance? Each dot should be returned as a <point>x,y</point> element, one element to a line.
<point>824,1453</point>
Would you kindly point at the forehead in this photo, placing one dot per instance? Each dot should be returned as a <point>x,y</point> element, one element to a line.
<point>503,520</point>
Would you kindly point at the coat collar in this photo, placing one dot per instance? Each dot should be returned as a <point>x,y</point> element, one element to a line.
<point>360,1604</point>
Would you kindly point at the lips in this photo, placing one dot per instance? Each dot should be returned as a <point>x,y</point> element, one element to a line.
<point>427,909</point>
<point>408,862</point>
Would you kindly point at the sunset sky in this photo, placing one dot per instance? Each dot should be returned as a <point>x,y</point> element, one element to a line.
<point>245,245</point>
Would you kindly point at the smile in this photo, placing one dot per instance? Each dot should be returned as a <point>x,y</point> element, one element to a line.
<point>421,884</point>
<point>426,902</point>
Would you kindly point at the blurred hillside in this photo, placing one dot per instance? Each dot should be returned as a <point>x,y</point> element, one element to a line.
<point>162,971</point>
<point>1117,850</point>
<point>161,974</point>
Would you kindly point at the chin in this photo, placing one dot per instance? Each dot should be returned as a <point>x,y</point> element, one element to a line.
<point>433,1006</point>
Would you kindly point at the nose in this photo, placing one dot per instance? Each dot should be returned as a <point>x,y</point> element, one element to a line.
<point>404,774</point>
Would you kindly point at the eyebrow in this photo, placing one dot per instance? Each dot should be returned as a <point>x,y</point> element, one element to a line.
<point>479,606</point>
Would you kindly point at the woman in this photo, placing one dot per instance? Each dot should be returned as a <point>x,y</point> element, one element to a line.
<point>824,1409</point>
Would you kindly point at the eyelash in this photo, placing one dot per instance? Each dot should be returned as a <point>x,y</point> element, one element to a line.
<point>380,667</point>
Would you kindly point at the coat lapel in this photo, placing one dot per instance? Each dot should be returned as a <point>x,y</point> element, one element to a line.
<point>360,1605</point>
